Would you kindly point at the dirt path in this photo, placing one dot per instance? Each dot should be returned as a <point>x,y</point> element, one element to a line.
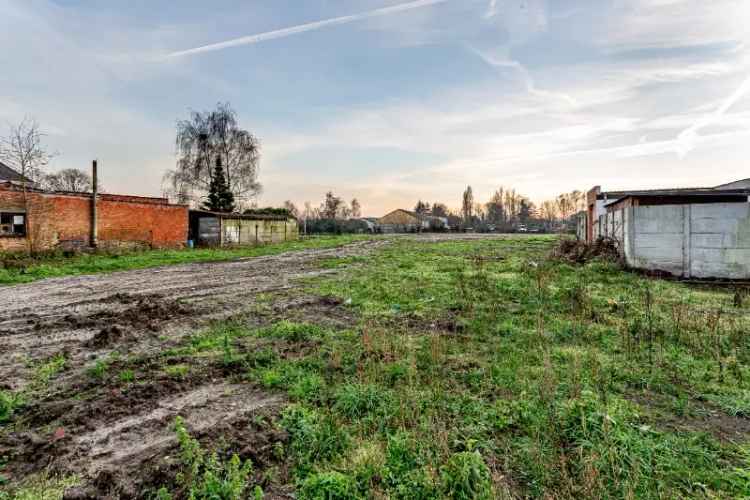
<point>82,315</point>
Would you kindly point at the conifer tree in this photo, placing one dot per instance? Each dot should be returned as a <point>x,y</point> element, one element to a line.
<point>220,198</point>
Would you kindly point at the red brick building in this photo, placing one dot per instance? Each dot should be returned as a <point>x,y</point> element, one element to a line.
<point>43,221</point>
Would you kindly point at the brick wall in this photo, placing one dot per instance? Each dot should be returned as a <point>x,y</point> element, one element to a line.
<point>64,220</point>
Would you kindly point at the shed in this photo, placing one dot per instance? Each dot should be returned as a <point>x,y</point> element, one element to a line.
<point>687,232</point>
<point>229,229</point>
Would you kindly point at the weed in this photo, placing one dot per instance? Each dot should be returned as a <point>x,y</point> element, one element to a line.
<point>466,477</point>
<point>9,403</point>
<point>127,376</point>
<point>99,369</point>
<point>204,475</point>
<point>314,437</point>
<point>46,370</point>
<point>328,486</point>
<point>359,400</point>
<point>177,371</point>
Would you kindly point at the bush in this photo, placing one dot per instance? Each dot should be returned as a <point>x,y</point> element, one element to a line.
<point>328,486</point>
<point>466,477</point>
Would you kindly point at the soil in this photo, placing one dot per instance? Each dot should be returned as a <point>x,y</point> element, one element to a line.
<point>703,417</point>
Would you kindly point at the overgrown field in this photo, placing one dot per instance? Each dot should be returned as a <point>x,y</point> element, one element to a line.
<point>456,369</point>
<point>16,268</point>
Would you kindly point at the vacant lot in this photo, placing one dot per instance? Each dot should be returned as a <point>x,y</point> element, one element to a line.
<point>441,367</point>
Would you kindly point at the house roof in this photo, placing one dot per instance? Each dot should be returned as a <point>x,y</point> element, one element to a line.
<point>684,196</point>
<point>9,174</point>
<point>735,184</point>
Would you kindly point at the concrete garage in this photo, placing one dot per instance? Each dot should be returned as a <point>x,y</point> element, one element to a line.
<point>228,229</point>
<point>692,233</point>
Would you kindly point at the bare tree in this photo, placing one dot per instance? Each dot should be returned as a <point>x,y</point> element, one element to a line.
<point>292,209</point>
<point>71,180</point>
<point>439,210</point>
<point>23,150</point>
<point>356,209</point>
<point>422,208</point>
<point>204,138</point>
<point>331,207</point>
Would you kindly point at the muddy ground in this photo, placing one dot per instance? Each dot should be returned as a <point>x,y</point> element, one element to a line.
<point>110,437</point>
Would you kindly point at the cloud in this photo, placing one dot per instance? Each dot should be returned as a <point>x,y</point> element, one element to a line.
<point>526,77</point>
<point>302,28</point>
<point>685,142</point>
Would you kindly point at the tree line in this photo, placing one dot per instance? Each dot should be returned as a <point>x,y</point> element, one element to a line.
<point>217,169</point>
<point>23,149</point>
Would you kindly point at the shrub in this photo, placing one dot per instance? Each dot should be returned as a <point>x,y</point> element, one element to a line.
<point>328,486</point>
<point>466,477</point>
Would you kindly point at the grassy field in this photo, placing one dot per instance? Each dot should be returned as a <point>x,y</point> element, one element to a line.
<point>25,270</point>
<point>483,369</point>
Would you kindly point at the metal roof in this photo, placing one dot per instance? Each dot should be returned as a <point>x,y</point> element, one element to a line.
<point>227,215</point>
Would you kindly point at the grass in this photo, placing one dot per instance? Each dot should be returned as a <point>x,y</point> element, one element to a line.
<point>482,369</point>
<point>28,270</point>
<point>44,372</point>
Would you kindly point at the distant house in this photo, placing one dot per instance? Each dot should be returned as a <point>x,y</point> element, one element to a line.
<point>405,221</point>
<point>690,232</point>
<point>9,175</point>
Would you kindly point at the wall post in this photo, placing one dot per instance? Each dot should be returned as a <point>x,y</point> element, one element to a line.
<point>687,240</point>
<point>94,220</point>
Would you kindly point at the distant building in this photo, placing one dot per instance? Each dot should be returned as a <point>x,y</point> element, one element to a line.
<point>37,220</point>
<point>405,221</point>
<point>10,175</point>
<point>688,232</point>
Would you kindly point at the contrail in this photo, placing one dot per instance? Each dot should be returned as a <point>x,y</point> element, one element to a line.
<point>294,30</point>
<point>685,142</point>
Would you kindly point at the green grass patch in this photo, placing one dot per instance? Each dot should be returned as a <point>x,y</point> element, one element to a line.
<point>57,266</point>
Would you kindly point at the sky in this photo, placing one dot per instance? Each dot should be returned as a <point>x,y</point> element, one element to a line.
<point>392,101</point>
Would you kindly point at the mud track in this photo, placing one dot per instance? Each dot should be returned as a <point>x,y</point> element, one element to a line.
<point>86,316</point>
